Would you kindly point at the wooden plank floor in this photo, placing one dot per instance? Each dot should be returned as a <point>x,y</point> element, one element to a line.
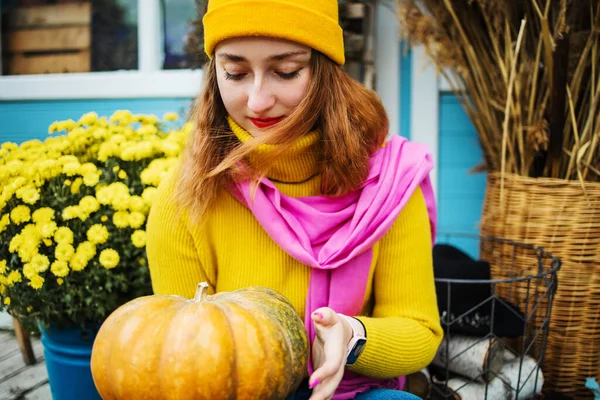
<point>17,380</point>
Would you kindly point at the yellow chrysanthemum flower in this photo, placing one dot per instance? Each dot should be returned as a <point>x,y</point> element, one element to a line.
<point>100,133</point>
<point>148,195</point>
<point>136,219</point>
<point>122,174</point>
<point>10,146</point>
<point>26,252</point>
<point>89,204</point>
<point>53,127</point>
<point>14,167</point>
<point>60,268</point>
<point>3,267</point>
<point>108,149</point>
<point>71,168</point>
<point>76,185</point>
<point>91,179</point>
<point>150,176</point>
<point>147,130</point>
<point>88,119</point>
<point>138,238</point>
<point>171,149</point>
<point>66,125</point>
<point>14,277</point>
<point>44,214</point>
<point>87,249</point>
<point>71,212</point>
<point>171,116</point>
<point>124,117</point>
<point>137,151</point>
<point>4,221</point>
<point>87,168</point>
<point>15,243</point>
<point>97,234</point>
<point>64,251</point>
<point>130,153</point>
<point>60,281</point>
<point>78,262</point>
<point>104,195</point>
<point>29,271</point>
<point>29,194</point>
<point>63,234</point>
<point>121,219</point>
<point>40,263</point>
<point>136,203</point>
<point>147,119</point>
<point>47,229</point>
<point>67,158</point>
<point>104,218</point>
<point>120,201</point>
<point>7,301</point>
<point>109,258</point>
<point>18,182</point>
<point>20,214</point>
<point>49,168</point>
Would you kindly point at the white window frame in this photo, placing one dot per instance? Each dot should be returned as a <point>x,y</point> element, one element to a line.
<point>425,107</point>
<point>148,81</point>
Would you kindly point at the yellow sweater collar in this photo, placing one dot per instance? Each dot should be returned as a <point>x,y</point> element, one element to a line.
<point>299,165</point>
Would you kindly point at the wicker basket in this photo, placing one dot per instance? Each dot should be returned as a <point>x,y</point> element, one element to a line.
<point>564,219</point>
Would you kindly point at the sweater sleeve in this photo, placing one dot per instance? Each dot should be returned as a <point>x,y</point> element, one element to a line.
<point>173,259</point>
<point>404,331</point>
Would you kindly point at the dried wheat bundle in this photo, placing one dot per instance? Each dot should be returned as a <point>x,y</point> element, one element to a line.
<point>528,76</point>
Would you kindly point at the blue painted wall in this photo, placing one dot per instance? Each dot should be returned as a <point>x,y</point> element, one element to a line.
<point>25,120</point>
<point>460,192</point>
<point>405,89</point>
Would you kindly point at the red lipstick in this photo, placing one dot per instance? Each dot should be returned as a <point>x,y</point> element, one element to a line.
<point>265,122</point>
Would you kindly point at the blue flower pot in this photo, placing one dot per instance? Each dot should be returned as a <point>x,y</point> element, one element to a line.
<point>68,353</point>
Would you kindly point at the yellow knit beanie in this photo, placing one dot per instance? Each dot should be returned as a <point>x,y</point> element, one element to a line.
<point>313,23</point>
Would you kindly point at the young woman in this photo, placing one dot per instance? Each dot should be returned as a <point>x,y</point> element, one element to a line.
<point>289,183</point>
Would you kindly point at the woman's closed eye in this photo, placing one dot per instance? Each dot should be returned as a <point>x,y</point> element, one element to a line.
<point>234,77</point>
<point>282,75</point>
<point>289,75</point>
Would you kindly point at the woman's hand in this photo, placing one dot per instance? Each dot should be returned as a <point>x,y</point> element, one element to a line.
<point>329,351</point>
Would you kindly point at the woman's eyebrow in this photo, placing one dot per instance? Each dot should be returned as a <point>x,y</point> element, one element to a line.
<point>276,57</point>
<point>232,57</point>
<point>283,56</point>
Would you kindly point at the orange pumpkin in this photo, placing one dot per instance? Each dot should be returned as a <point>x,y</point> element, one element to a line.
<point>246,344</point>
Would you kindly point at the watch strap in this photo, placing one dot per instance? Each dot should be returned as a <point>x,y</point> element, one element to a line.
<point>358,340</point>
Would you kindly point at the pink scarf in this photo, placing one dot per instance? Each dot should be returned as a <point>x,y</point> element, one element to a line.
<point>334,236</point>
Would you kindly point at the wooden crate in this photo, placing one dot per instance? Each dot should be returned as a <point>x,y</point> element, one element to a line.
<point>49,39</point>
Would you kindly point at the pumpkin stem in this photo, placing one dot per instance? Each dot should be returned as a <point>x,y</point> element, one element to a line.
<point>201,291</point>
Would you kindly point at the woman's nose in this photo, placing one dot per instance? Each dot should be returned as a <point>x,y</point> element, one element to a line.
<point>260,98</point>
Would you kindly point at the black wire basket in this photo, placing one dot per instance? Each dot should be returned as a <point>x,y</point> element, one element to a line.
<point>496,328</point>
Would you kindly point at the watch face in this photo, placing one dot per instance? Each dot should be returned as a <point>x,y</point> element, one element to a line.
<point>357,350</point>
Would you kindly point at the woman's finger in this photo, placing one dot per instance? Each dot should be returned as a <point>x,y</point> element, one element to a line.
<point>326,389</point>
<point>324,372</point>
<point>324,317</point>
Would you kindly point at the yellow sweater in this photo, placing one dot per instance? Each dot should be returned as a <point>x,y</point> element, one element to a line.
<point>232,251</point>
